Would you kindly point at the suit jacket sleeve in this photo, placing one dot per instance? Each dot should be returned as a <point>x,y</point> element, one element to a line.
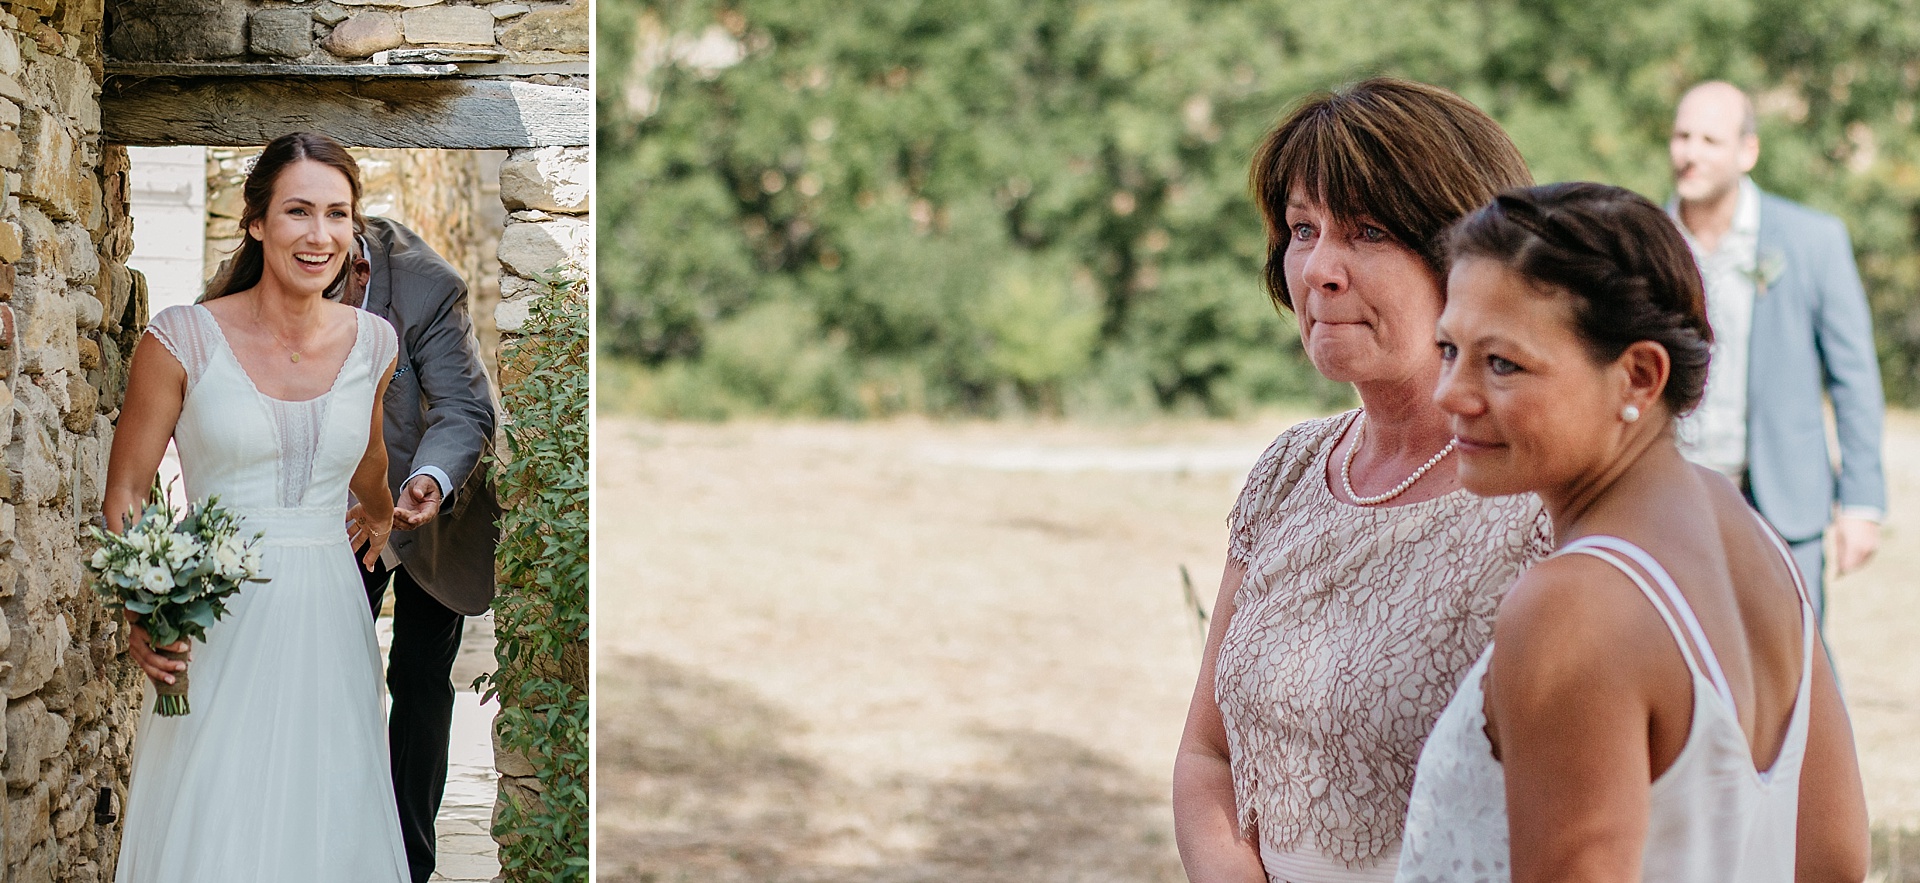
<point>1844,333</point>
<point>453,387</point>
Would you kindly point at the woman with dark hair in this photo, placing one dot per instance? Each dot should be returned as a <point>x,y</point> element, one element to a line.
<point>1360,581</point>
<point>272,395</point>
<point>1656,704</point>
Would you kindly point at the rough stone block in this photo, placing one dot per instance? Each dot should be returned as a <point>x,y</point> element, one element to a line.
<point>280,33</point>
<point>76,16</point>
<point>178,30</point>
<point>33,735</point>
<point>26,815</point>
<point>365,34</point>
<point>31,9</point>
<point>508,10</point>
<point>89,354</point>
<point>330,14</point>
<point>32,452</point>
<point>466,25</point>
<point>71,85</point>
<point>559,29</point>
<point>70,820</point>
<point>511,316</point>
<point>559,246</point>
<point>510,763</point>
<point>9,242</point>
<point>81,262</point>
<point>42,243</point>
<point>82,398</point>
<point>53,175</point>
<point>48,38</point>
<point>39,862</point>
<point>86,311</point>
<point>10,149</point>
<point>9,53</point>
<point>120,293</point>
<point>552,179</point>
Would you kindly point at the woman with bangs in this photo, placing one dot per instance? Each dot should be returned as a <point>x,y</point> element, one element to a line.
<point>1361,579</point>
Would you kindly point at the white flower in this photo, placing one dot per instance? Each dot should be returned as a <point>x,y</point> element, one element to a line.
<point>230,560</point>
<point>99,561</point>
<point>157,580</point>
<point>180,550</point>
<point>254,562</point>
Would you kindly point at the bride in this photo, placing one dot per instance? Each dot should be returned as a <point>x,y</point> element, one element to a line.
<point>272,395</point>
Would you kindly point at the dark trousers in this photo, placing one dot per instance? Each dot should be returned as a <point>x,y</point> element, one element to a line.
<point>426,638</point>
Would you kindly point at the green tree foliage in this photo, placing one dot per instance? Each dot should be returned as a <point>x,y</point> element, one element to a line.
<point>864,207</point>
<point>540,616</point>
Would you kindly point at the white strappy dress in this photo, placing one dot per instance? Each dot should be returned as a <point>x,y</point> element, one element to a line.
<point>1712,816</point>
<point>280,773</point>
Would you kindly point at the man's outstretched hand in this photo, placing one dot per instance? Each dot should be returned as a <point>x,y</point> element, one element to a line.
<point>418,504</point>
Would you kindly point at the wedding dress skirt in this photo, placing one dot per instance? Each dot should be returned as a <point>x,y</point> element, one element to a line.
<point>280,772</point>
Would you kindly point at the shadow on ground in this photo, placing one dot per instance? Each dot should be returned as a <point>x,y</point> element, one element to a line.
<point>696,783</point>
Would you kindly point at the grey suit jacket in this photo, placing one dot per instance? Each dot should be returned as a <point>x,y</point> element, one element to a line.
<point>1812,334</point>
<point>439,412</point>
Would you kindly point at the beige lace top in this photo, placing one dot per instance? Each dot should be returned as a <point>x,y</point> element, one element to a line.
<point>1350,631</point>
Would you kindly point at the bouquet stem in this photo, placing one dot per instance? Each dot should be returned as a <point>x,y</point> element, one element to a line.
<point>171,699</point>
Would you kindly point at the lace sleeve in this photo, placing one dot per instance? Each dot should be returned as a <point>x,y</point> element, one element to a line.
<point>184,331</point>
<point>1273,478</point>
<point>384,346</point>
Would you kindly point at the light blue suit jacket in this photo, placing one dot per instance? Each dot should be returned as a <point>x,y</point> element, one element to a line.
<point>1812,334</point>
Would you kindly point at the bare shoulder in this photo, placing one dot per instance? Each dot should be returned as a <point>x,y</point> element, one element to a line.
<point>1571,613</point>
<point>337,312</point>
<point>225,308</point>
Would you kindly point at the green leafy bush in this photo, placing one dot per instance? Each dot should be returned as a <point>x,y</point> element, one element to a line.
<point>540,614</point>
<point>939,194</point>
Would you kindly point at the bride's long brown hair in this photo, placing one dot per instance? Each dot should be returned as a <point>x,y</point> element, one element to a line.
<point>242,271</point>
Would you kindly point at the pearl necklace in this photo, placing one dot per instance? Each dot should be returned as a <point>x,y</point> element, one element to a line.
<point>1346,468</point>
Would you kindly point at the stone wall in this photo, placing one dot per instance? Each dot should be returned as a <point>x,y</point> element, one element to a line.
<point>70,312</point>
<point>546,192</point>
<point>348,31</point>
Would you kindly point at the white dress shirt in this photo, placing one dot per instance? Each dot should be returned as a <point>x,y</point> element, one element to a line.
<point>1715,433</point>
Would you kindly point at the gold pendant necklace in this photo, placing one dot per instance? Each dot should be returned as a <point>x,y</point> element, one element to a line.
<point>293,355</point>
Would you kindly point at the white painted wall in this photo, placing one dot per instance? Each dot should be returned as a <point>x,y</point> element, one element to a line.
<point>169,202</point>
<point>168,196</point>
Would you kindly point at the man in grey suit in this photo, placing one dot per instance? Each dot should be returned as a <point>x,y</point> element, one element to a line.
<point>439,422</point>
<point>1791,324</point>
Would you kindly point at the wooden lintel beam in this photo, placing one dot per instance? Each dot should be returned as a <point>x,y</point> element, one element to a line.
<point>196,70</point>
<point>448,113</point>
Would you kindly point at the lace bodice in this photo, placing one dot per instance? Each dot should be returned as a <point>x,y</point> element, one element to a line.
<point>1710,816</point>
<point>261,452</point>
<point>1350,630</point>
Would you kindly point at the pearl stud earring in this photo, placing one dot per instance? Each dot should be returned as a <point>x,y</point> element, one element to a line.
<point>1629,413</point>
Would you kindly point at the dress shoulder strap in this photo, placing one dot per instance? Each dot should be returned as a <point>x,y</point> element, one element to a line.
<point>1807,615</point>
<point>1675,610</point>
<point>189,334</point>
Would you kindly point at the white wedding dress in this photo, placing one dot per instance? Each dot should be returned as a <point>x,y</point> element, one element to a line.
<point>280,773</point>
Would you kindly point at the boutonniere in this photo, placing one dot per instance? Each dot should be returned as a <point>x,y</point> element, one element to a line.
<point>1768,267</point>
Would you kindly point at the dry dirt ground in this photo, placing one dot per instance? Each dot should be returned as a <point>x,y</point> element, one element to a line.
<point>912,651</point>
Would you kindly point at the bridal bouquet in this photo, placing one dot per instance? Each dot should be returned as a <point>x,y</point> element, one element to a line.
<point>174,576</point>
